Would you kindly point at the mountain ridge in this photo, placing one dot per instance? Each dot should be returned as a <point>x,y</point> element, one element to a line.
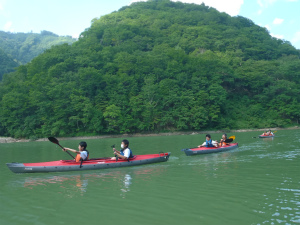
<point>21,48</point>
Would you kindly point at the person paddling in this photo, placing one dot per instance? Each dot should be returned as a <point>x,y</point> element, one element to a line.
<point>223,140</point>
<point>268,133</point>
<point>264,133</point>
<point>82,154</point>
<point>125,152</point>
<point>209,142</point>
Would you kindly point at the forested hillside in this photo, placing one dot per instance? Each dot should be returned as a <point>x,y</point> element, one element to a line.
<point>7,64</point>
<point>21,48</point>
<point>155,66</point>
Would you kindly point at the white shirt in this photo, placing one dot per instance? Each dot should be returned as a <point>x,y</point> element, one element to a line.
<point>126,153</point>
<point>213,142</point>
<point>84,155</point>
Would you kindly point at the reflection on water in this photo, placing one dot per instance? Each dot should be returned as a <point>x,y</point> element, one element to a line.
<point>126,182</point>
<point>77,180</point>
<point>268,139</point>
<point>71,185</point>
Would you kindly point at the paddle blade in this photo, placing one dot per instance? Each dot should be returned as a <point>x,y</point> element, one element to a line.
<point>228,140</point>
<point>274,131</point>
<point>232,137</point>
<point>53,140</point>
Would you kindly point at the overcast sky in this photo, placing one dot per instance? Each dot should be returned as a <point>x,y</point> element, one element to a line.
<point>71,17</point>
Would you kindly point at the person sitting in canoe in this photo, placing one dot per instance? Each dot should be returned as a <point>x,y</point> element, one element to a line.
<point>223,140</point>
<point>268,133</point>
<point>82,154</point>
<point>209,143</point>
<point>125,152</point>
<point>264,133</point>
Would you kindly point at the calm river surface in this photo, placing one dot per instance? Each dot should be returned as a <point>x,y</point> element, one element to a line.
<point>257,183</point>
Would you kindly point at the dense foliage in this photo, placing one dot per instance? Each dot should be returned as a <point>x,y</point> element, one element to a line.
<point>155,66</point>
<point>21,48</point>
<point>7,64</point>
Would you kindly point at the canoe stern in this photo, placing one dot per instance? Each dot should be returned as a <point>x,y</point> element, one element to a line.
<point>17,167</point>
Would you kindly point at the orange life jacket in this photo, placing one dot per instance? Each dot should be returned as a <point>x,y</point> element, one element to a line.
<point>223,143</point>
<point>77,158</point>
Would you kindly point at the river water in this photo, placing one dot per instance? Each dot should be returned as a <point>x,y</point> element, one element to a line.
<point>257,183</point>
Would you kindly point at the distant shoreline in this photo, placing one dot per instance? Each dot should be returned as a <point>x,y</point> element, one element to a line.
<point>13,140</point>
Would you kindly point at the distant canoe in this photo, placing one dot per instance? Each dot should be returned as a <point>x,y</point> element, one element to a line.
<point>91,164</point>
<point>207,150</point>
<point>266,136</point>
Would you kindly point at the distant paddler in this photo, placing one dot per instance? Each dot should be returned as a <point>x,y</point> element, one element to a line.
<point>268,133</point>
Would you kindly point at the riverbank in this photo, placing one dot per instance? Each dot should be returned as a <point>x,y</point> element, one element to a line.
<point>13,140</point>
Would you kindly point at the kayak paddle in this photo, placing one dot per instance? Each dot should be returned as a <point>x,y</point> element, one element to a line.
<point>55,141</point>
<point>230,139</point>
<point>115,154</point>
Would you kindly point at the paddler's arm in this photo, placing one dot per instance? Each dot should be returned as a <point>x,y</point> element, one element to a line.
<point>117,153</point>
<point>71,150</point>
<point>204,143</point>
<point>215,143</point>
<point>121,156</point>
<point>115,150</point>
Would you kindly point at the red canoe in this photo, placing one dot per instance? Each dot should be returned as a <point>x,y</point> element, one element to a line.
<point>91,164</point>
<point>266,136</point>
<point>206,150</point>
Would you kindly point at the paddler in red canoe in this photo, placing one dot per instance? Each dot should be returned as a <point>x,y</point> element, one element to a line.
<point>125,152</point>
<point>209,143</point>
<point>268,133</point>
<point>223,140</point>
<point>82,154</point>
